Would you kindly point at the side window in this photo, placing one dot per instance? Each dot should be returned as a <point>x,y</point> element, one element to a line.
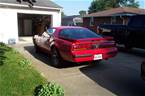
<point>113,20</point>
<point>64,33</point>
<point>92,21</point>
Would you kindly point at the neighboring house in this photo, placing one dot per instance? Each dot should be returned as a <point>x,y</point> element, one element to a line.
<point>18,19</point>
<point>119,15</point>
<point>75,20</point>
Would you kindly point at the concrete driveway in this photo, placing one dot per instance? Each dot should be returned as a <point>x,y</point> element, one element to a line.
<point>119,76</point>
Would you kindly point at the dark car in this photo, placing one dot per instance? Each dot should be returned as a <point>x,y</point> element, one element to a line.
<point>74,44</point>
<point>143,70</point>
<point>131,35</point>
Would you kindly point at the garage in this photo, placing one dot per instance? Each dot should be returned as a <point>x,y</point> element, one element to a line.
<point>20,20</point>
<point>31,24</point>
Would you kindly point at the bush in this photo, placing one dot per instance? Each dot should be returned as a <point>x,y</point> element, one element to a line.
<point>2,44</point>
<point>25,63</point>
<point>49,89</point>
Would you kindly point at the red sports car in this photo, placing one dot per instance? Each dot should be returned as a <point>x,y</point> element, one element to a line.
<point>74,44</point>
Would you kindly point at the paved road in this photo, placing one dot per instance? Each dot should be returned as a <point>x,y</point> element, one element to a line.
<point>118,76</point>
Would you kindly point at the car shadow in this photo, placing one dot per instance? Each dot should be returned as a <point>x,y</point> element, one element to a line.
<point>45,58</point>
<point>117,75</point>
<point>133,51</point>
<point>120,80</point>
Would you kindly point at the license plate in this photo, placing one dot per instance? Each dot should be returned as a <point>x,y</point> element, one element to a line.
<point>98,57</point>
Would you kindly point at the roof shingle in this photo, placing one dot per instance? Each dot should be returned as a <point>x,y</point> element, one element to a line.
<point>41,3</point>
<point>114,11</point>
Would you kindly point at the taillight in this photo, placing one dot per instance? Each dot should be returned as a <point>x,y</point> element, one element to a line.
<point>92,45</point>
<point>107,44</point>
<point>81,47</point>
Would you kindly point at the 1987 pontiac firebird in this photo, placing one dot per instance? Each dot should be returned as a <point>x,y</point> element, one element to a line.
<point>74,44</point>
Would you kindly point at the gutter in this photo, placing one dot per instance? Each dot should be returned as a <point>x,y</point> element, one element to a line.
<point>26,6</point>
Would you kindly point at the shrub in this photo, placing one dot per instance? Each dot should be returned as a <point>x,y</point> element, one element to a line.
<point>15,51</point>
<point>24,63</point>
<point>3,49</point>
<point>2,44</point>
<point>49,89</point>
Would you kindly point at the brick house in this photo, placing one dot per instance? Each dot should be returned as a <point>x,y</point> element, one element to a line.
<point>119,15</point>
<point>74,20</point>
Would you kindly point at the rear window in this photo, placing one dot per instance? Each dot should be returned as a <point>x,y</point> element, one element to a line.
<point>78,33</point>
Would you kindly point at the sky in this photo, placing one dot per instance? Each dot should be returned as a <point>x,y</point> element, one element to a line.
<point>72,7</point>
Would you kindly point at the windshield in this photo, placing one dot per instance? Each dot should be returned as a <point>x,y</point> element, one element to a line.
<point>78,33</point>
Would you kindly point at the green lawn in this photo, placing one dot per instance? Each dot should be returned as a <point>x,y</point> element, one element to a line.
<point>17,77</point>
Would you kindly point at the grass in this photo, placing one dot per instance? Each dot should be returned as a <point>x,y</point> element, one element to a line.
<point>17,77</point>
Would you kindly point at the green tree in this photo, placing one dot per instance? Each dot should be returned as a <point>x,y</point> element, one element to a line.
<point>62,14</point>
<point>82,13</point>
<point>99,5</point>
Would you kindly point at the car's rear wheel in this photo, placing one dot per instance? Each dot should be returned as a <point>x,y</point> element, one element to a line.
<point>56,58</point>
<point>37,50</point>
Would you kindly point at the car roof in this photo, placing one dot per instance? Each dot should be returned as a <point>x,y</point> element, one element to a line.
<point>64,27</point>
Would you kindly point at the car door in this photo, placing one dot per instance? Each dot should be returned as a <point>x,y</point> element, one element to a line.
<point>48,40</point>
<point>64,44</point>
<point>38,40</point>
<point>44,40</point>
<point>138,32</point>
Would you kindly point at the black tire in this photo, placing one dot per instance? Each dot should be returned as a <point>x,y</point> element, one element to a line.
<point>56,59</point>
<point>37,49</point>
<point>128,41</point>
<point>142,72</point>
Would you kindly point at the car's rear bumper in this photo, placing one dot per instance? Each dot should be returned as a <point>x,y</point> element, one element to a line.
<point>89,55</point>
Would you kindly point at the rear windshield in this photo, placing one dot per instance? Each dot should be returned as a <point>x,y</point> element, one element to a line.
<point>78,33</point>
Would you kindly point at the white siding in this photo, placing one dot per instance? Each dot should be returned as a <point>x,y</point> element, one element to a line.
<point>9,22</point>
<point>8,26</point>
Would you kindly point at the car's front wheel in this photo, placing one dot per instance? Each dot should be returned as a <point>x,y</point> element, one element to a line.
<point>143,71</point>
<point>36,49</point>
<point>56,58</point>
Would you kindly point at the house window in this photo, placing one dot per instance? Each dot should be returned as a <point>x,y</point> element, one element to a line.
<point>92,21</point>
<point>113,20</point>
